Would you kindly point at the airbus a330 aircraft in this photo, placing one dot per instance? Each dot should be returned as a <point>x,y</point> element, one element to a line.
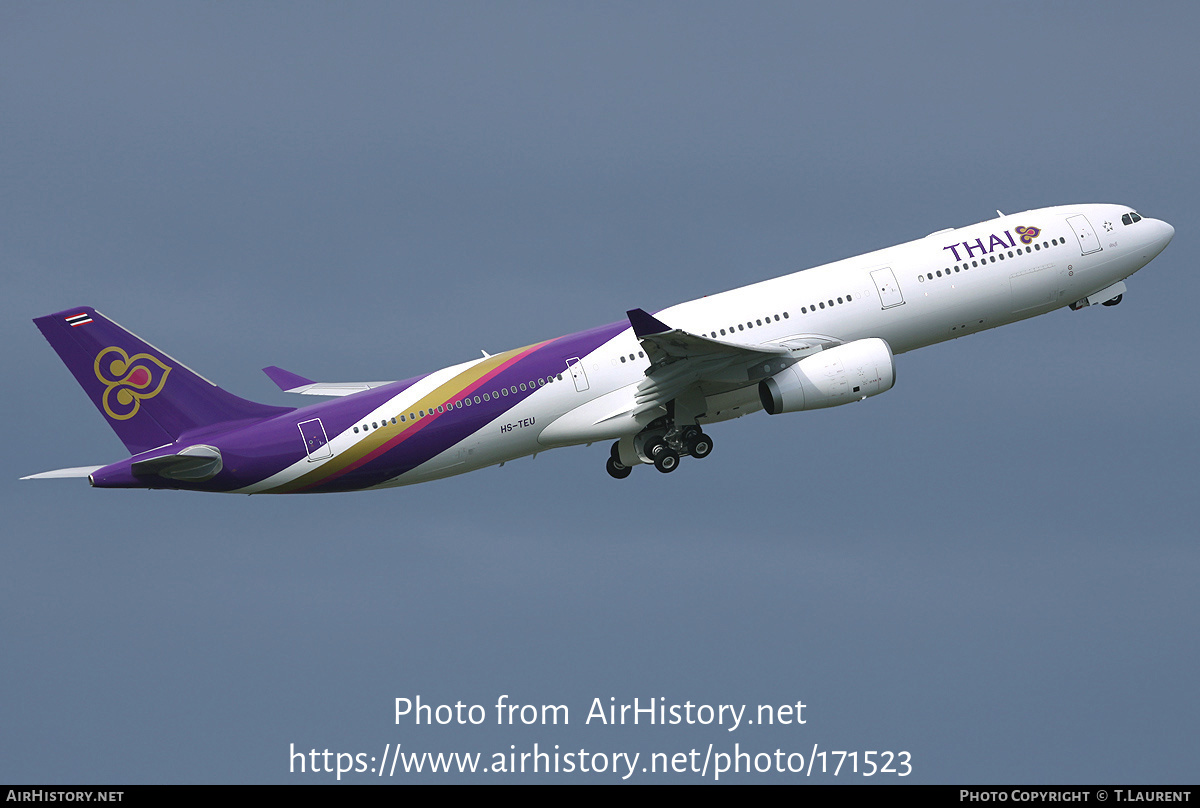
<point>651,383</point>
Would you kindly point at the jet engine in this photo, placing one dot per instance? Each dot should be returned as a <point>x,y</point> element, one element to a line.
<point>840,375</point>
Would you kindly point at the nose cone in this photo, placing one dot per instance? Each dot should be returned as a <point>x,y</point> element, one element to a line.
<point>1160,236</point>
<point>1168,232</point>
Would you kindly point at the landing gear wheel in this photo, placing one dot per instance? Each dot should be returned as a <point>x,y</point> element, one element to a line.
<point>666,460</point>
<point>1114,301</point>
<point>615,452</point>
<point>615,469</point>
<point>653,446</point>
<point>699,445</point>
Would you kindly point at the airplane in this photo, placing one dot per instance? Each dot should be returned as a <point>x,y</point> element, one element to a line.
<point>650,383</point>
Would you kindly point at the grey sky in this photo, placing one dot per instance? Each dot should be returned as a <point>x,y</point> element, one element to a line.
<point>993,566</point>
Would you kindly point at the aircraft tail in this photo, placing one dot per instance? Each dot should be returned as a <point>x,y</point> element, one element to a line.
<point>148,398</point>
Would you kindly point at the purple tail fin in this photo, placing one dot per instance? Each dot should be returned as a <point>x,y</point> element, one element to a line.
<point>148,398</point>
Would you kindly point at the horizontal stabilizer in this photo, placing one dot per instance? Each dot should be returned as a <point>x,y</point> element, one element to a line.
<point>285,379</point>
<point>293,383</point>
<point>78,471</point>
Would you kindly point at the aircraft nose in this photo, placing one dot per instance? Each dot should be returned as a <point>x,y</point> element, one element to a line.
<point>1161,235</point>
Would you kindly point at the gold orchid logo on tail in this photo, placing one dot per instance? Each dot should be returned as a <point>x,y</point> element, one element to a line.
<point>128,380</point>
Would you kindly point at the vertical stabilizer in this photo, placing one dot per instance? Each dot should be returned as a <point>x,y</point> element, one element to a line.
<point>148,398</point>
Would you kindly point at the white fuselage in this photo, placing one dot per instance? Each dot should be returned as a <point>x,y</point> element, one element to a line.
<point>946,285</point>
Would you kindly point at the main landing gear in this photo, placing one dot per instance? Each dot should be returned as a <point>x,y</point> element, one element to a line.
<point>617,469</point>
<point>663,449</point>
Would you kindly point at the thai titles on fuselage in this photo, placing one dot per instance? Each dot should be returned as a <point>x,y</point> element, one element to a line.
<point>976,248</point>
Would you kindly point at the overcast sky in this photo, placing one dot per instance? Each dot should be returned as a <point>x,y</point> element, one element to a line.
<point>992,567</point>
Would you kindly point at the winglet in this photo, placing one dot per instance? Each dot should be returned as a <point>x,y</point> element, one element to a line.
<point>645,325</point>
<point>285,379</point>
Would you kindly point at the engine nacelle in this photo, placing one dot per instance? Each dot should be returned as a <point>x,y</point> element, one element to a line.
<point>840,375</point>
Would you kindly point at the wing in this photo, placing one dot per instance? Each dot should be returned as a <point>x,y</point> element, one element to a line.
<point>290,382</point>
<point>682,362</point>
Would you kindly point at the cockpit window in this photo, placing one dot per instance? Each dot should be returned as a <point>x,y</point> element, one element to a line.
<point>1131,217</point>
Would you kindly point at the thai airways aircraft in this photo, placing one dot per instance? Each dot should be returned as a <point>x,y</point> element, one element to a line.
<point>650,383</point>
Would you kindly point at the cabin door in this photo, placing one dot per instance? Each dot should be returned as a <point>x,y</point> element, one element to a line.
<point>889,291</point>
<point>577,374</point>
<point>316,444</point>
<point>1088,242</point>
